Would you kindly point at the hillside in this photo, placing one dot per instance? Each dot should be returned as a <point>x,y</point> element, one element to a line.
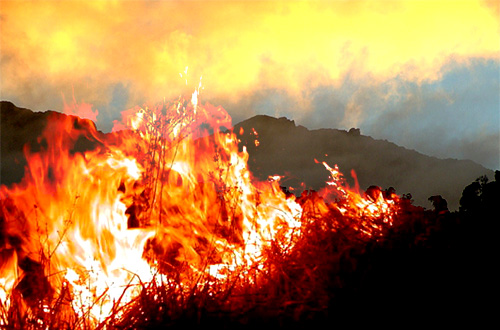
<point>21,126</point>
<point>287,149</point>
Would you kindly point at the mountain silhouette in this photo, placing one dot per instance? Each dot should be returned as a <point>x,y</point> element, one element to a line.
<point>290,150</point>
<point>20,127</point>
<point>283,149</point>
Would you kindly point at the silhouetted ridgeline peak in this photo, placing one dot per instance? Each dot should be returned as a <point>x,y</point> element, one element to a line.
<point>20,126</point>
<point>287,149</point>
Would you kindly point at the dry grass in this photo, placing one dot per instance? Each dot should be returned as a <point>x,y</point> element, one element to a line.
<point>293,286</point>
<point>328,275</point>
<point>329,270</point>
<point>287,286</point>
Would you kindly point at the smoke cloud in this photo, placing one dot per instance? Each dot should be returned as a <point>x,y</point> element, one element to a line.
<point>324,64</point>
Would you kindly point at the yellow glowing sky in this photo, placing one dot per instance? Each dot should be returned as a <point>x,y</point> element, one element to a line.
<point>237,46</point>
<point>52,48</point>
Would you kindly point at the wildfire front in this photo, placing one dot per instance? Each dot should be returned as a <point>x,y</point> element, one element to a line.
<point>161,218</point>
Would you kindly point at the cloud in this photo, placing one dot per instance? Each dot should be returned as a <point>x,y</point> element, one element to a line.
<point>456,117</point>
<point>235,46</point>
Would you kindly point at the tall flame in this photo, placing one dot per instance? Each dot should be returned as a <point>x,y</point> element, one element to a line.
<point>166,195</point>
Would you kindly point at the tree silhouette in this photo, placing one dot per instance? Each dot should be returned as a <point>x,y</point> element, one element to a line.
<point>440,204</point>
<point>481,196</point>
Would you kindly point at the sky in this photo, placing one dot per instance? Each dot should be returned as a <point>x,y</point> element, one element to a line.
<point>422,74</point>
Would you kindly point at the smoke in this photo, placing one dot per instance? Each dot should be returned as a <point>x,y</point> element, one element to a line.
<point>283,58</point>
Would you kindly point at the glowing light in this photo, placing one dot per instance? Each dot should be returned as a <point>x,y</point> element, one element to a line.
<point>160,197</point>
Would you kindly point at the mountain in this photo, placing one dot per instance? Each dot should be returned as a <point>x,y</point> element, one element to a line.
<point>287,149</point>
<point>21,126</point>
<point>284,149</point>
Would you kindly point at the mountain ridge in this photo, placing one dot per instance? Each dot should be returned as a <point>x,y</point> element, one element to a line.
<point>290,150</point>
<point>285,147</point>
<point>21,126</point>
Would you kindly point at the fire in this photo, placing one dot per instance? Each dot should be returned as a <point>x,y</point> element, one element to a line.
<point>166,196</point>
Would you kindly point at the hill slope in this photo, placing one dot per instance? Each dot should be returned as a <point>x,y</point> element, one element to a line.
<point>21,126</point>
<point>287,149</point>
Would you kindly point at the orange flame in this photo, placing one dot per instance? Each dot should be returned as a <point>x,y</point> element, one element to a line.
<point>166,195</point>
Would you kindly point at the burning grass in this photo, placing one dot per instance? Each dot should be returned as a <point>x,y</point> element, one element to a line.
<point>289,287</point>
<point>161,224</point>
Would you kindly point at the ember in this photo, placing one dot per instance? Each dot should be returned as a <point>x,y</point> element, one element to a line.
<point>164,203</point>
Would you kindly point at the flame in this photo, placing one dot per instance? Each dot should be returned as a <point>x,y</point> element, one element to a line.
<point>82,110</point>
<point>166,195</point>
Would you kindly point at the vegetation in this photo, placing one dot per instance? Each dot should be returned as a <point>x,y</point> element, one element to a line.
<point>428,263</point>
